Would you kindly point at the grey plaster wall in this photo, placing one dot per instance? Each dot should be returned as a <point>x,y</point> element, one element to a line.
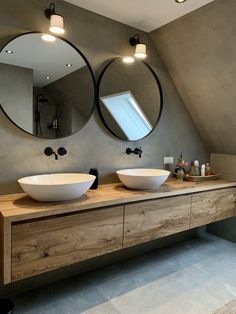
<point>16,91</point>
<point>199,51</point>
<point>73,96</point>
<point>100,39</point>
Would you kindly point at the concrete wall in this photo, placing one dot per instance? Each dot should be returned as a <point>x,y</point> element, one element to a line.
<point>16,91</point>
<point>73,96</point>
<point>199,51</point>
<point>100,39</point>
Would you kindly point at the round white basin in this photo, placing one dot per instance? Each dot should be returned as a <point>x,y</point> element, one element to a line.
<point>57,187</point>
<point>143,179</point>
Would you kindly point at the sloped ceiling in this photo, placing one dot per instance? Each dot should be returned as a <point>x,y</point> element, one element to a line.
<point>199,51</point>
<point>145,15</point>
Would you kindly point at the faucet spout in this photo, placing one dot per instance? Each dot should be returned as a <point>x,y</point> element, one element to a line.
<point>56,156</point>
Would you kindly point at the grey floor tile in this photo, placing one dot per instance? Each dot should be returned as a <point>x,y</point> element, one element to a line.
<point>121,278</point>
<point>105,308</point>
<point>189,291</point>
<point>196,276</point>
<point>74,295</point>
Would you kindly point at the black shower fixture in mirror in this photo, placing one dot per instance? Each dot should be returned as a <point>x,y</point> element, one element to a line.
<point>130,99</point>
<point>47,86</point>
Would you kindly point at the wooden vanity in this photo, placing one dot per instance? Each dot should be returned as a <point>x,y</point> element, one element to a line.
<point>39,237</point>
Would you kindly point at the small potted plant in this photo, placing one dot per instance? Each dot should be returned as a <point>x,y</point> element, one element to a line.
<point>180,169</point>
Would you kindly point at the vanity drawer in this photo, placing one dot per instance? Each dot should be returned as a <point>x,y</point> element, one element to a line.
<point>225,200</point>
<point>208,207</point>
<point>145,221</point>
<point>47,244</point>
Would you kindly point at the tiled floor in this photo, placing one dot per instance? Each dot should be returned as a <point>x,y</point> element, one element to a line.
<point>195,276</point>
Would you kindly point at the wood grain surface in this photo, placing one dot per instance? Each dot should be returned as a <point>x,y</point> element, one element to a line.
<point>145,221</point>
<point>208,207</point>
<point>48,244</point>
<point>17,207</point>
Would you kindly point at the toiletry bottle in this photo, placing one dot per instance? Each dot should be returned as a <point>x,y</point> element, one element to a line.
<point>192,171</point>
<point>196,165</point>
<point>203,170</point>
<point>94,172</point>
<point>208,169</point>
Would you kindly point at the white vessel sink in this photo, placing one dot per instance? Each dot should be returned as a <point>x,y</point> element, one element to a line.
<point>57,187</point>
<point>143,179</point>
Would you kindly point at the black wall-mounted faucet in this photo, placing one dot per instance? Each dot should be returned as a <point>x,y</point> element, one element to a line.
<point>48,151</point>
<point>136,151</point>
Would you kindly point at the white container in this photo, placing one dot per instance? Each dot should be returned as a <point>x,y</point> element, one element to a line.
<point>203,170</point>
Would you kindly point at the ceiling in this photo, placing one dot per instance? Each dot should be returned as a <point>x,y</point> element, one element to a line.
<point>145,15</point>
<point>46,59</point>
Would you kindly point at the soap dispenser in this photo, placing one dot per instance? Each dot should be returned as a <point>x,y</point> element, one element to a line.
<point>94,172</point>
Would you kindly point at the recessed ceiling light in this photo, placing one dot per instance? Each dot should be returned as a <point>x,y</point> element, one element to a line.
<point>47,77</point>
<point>180,1</point>
<point>69,65</point>
<point>48,37</point>
<point>9,51</point>
<point>128,59</point>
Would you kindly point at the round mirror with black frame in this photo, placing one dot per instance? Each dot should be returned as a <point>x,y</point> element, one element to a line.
<point>130,99</point>
<point>47,86</point>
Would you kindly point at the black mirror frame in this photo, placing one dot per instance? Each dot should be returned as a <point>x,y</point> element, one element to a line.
<point>93,80</point>
<point>99,105</point>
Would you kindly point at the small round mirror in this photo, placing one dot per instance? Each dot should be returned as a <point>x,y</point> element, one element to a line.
<point>47,86</point>
<point>130,99</point>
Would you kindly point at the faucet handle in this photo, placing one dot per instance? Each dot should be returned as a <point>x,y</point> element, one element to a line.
<point>128,151</point>
<point>62,151</point>
<point>48,151</point>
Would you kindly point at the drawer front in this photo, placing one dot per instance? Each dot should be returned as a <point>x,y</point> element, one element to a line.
<point>225,200</point>
<point>48,244</point>
<point>151,220</point>
<point>208,207</point>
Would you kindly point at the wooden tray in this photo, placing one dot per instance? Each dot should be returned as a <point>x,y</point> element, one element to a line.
<point>205,178</point>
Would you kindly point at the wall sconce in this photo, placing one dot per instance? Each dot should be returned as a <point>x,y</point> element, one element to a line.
<point>140,48</point>
<point>56,20</point>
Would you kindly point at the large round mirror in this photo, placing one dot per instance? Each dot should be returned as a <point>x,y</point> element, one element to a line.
<point>130,99</point>
<point>47,88</point>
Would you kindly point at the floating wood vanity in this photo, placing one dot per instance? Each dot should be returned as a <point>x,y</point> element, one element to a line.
<point>39,237</point>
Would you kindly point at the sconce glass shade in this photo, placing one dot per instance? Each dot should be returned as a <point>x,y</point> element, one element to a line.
<point>56,24</point>
<point>140,51</point>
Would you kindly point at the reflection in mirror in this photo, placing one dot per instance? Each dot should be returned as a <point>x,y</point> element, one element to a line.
<point>130,99</point>
<point>48,88</point>
<point>127,114</point>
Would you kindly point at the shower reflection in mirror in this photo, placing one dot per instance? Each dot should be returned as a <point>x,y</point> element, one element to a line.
<point>48,88</point>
